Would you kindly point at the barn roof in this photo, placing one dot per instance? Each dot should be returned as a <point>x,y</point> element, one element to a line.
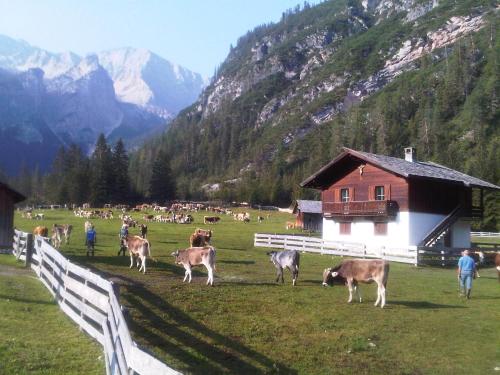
<point>310,207</point>
<point>18,197</point>
<point>401,167</point>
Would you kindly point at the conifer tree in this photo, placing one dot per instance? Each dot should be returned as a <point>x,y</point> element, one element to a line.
<point>101,172</point>
<point>162,184</point>
<point>121,183</point>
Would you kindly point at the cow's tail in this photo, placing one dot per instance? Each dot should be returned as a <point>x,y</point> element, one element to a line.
<point>147,250</point>
<point>214,252</point>
<point>386,273</point>
<point>296,259</point>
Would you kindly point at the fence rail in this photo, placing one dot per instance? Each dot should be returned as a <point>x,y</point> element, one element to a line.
<point>484,234</point>
<point>417,255</point>
<point>91,302</point>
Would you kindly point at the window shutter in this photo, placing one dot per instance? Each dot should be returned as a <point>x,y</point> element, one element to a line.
<point>351,194</point>
<point>337,195</point>
<point>387,192</point>
<point>371,193</point>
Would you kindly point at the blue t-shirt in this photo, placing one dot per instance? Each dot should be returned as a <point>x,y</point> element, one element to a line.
<point>91,235</point>
<point>466,263</point>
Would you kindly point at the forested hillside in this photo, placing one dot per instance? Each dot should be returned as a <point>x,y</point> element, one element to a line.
<point>373,76</point>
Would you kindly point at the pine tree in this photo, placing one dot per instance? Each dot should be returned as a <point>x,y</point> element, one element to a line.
<point>162,184</point>
<point>121,184</point>
<point>101,172</point>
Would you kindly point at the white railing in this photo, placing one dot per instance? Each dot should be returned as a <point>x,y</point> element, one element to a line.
<point>318,245</point>
<point>484,234</point>
<point>91,302</point>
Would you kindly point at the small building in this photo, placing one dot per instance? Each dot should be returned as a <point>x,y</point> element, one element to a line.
<point>383,201</point>
<point>308,215</point>
<point>8,197</point>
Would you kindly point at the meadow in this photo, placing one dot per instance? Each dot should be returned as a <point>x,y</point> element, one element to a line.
<point>248,324</point>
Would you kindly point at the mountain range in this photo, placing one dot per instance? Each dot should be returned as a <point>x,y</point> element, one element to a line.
<point>53,99</point>
<point>373,75</point>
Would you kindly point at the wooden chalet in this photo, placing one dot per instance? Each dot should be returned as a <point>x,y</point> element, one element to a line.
<point>8,197</point>
<point>308,215</point>
<point>380,200</point>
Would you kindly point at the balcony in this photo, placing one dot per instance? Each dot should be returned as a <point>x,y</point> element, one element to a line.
<point>360,208</point>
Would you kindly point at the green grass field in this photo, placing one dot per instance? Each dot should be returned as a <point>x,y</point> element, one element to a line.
<point>248,324</point>
<point>36,337</point>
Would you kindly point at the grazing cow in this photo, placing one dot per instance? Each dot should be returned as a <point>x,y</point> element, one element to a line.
<point>195,256</point>
<point>260,219</point>
<point>41,231</point>
<point>63,230</point>
<point>39,216</point>
<point>200,238</point>
<point>211,219</point>
<point>148,217</point>
<point>290,225</point>
<point>286,259</point>
<point>360,270</point>
<point>497,265</point>
<point>138,247</point>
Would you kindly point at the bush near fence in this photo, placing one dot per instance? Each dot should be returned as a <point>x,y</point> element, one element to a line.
<point>91,302</point>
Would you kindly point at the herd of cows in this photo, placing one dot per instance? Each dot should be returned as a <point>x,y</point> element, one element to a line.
<point>201,252</point>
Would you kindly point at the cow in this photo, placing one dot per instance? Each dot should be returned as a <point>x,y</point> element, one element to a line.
<point>290,225</point>
<point>211,219</point>
<point>286,259</point>
<point>353,271</point>
<point>200,238</point>
<point>63,230</point>
<point>260,219</point>
<point>497,264</point>
<point>39,216</point>
<point>138,247</point>
<point>195,256</point>
<point>41,231</point>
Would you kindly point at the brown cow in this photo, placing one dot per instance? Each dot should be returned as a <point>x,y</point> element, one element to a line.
<point>360,270</point>
<point>200,238</point>
<point>497,265</point>
<point>139,247</point>
<point>41,231</point>
<point>210,219</point>
<point>195,256</point>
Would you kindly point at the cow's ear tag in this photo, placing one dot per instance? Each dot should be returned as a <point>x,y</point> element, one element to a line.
<point>334,274</point>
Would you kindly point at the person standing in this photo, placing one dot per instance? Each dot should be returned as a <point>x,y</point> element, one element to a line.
<point>466,269</point>
<point>123,237</point>
<point>91,238</point>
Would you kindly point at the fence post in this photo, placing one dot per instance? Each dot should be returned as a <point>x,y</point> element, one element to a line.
<point>29,250</point>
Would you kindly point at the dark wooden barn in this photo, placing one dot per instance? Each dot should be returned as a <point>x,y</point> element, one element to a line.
<point>308,215</point>
<point>8,197</point>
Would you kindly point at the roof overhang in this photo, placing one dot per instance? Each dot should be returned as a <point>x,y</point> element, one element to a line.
<point>18,197</point>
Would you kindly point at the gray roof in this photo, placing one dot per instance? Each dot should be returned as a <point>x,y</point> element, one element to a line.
<point>18,197</point>
<point>310,207</point>
<point>408,169</point>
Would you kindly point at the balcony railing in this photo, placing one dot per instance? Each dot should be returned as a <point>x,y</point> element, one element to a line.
<point>360,208</point>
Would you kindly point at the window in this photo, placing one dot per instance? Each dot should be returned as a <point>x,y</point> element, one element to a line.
<point>345,228</point>
<point>379,193</point>
<point>344,195</point>
<point>380,229</point>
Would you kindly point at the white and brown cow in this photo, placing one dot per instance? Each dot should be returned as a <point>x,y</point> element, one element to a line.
<point>195,256</point>
<point>360,270</point>
<point>137,247</point>
<point>59,231</point>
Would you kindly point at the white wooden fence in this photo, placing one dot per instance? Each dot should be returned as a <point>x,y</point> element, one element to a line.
<point>484,234</point>
<point>92,302</point>
<point>417,255</point>
<point>318,245</point>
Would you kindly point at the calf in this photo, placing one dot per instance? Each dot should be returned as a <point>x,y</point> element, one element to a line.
<point>41,231</point>
<point>63,230</point>
<point>200,238</point>
<point>360,270</point>
<point>286,259</point>
<point>210,219</point>
<point>195,256</point>
<point>137,247</point>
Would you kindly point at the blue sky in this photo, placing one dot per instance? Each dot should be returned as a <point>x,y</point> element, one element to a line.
<point>192,33</point>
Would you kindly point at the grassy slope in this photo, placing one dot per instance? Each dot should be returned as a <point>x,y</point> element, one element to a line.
<point>36,337</point>
<point>247,324</point>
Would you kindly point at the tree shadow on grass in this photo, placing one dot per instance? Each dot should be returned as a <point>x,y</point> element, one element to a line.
<point>236,261</point>
<point>424,305</point>
<point>25,300</point>
<point>199,348</point>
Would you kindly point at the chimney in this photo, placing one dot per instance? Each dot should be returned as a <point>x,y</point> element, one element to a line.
<point>410,154</point>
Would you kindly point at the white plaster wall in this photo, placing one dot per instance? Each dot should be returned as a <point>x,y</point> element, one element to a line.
<point>363,231</point>
<point>460,234</point>
<point>421,224</point>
